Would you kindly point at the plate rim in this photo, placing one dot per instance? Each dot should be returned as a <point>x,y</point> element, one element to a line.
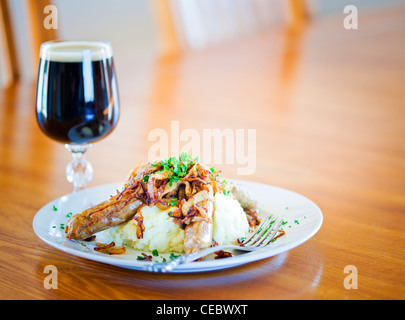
<point>200,266</point>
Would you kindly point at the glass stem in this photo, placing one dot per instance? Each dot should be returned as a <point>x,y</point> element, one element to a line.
<point>79,171</point>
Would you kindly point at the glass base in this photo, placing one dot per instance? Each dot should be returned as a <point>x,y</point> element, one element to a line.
<point>79,171</point>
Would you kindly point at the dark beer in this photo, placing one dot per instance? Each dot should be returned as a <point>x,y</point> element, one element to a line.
<point>77,95</point>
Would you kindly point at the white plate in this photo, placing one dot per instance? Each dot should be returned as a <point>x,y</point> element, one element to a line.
<point>303,219</point>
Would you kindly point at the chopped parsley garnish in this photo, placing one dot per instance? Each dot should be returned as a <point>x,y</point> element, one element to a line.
<point>173,203</point>
<point>155,253</point>
<point>54,208</point>
<point>173,256</point>
<point>177,167</point>
<point>184,156</point>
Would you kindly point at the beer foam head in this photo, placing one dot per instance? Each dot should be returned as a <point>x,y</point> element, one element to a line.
<point>75,51</point>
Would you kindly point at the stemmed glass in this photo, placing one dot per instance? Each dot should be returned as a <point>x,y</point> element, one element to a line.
<point>77,99</point>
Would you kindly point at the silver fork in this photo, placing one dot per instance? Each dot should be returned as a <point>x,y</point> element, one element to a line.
<point>263,236</point>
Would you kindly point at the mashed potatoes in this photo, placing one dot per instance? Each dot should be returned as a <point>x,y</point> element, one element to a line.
<point>163,234</point>
<point>230,222</point>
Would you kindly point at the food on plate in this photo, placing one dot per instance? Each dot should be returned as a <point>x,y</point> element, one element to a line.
<point>105,215</point>
<point>246,199</point>
<point>109,248</point>
<point>173,205</point>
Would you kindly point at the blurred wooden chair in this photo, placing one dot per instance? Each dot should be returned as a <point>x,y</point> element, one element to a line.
<point>8,63</point>
<point>195,24</point>
<point>299,13</point>
<point>181,24</point>
<point>22,31</point>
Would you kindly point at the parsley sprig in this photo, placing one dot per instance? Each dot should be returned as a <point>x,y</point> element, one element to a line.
<point>177,166</point>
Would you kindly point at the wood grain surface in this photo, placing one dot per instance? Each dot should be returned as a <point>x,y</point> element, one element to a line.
<point>328,106</point>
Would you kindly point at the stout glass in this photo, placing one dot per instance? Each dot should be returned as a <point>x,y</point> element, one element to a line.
<point>77,99</point>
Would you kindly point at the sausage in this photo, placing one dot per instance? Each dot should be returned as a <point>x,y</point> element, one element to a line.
<point>107,214</point>
<point>110,213</point>
<point>245,198</point>
<point>198,234</point>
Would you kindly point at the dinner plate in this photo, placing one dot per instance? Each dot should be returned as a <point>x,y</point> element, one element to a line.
<point>302,219</point>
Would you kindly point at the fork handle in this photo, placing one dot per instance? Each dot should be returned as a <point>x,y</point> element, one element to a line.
<point>196,255</point>
<point>180,260</point>
<point>169,266</point>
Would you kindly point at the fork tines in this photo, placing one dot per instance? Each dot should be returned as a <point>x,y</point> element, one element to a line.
<point>265,233</point>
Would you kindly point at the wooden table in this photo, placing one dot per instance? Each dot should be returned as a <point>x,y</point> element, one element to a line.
<point>328,106</point>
